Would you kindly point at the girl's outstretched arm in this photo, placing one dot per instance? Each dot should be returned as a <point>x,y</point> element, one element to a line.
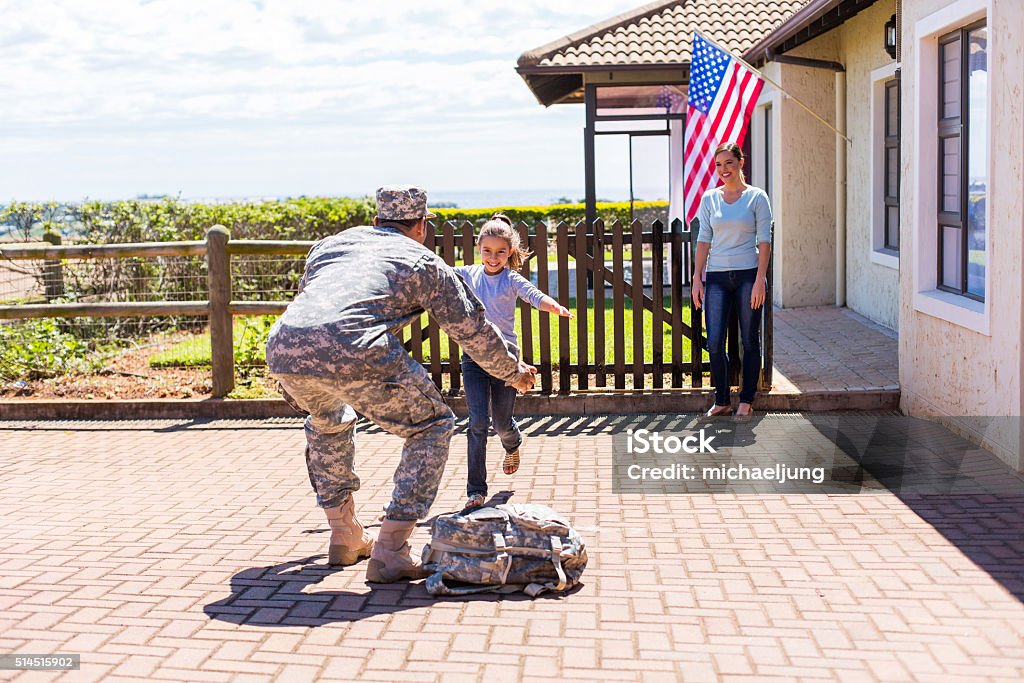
<point>549,305</point>
<point>536,298</point>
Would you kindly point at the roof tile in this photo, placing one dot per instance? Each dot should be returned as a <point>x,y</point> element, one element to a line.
<point>662,33</point>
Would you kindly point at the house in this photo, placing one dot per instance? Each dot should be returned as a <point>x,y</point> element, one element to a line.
<point>912,216</point>
<point>630,72</point>
<point>918,221</point>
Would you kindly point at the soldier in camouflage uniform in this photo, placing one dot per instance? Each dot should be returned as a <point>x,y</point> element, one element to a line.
<point>335,353</point>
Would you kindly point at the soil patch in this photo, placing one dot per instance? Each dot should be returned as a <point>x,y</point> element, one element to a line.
<point>125,376</point>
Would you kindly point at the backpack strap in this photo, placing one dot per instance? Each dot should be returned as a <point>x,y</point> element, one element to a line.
<point>435,585</point>
<point>501,549</point>
<point>535,589</point>
<point>448,547</point>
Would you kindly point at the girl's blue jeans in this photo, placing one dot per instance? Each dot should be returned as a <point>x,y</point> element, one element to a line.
<point>722,291</point>
<point>487,400</point>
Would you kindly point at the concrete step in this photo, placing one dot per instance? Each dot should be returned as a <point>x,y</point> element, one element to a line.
<point>590,403</point>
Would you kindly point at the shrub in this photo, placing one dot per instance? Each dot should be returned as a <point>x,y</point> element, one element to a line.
<point>646,212</point>
<point>38,348</point>
<point>172,220</point>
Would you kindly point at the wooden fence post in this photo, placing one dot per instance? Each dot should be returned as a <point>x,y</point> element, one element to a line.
<point>676,280</point>
<point>222,349</point>
<point>53,271</point>
<point>696,314</point>
<point>562,250</point>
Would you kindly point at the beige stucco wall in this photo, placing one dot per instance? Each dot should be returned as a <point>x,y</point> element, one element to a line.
<point>871,288</point>
<point>804,179</point>
<point>945,367</point>
<point>804,195</point>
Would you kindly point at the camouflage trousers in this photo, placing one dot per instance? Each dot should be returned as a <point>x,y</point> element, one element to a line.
<point>405,403</point>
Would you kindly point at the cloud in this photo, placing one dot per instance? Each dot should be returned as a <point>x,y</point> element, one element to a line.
<point>80,75</point>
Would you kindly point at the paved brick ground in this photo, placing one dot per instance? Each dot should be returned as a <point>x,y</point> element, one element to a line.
<point>192,551</point>
<point>832,349</point>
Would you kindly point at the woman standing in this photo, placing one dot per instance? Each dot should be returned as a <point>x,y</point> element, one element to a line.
<point>734,244</point>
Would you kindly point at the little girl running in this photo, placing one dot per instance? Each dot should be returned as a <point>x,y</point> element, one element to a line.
<point>497,284</point>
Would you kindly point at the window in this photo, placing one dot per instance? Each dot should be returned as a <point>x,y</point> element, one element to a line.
<point>947,119</point>
<point>962,161</point>
<point>886,184</point>
<point>891,161</point>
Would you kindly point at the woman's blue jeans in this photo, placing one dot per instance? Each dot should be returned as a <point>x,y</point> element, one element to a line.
<point>722,290</point>
<point>487,400</point>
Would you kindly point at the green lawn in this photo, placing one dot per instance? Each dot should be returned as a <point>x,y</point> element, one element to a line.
<point>609,331</point>
<point>250,335</point>
<point>250,339</point>
<point>627,254</point>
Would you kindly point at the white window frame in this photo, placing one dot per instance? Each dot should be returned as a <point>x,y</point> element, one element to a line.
<point>959,310</point>
<point>879,254</point>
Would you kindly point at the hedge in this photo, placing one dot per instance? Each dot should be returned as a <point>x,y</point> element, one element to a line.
<point>646,212</point>
<point>181,278</point>
<point>291,219</point>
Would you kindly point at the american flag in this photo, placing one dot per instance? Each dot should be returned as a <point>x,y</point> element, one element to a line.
<point>669,98</point>
<point>723,93</point>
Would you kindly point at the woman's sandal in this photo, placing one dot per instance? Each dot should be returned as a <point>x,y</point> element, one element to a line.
<point>718,411</point>
<point>475,500</point>
<point>744,415</point>
<point>510,465</point>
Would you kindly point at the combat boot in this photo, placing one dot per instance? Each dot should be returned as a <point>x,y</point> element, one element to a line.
<point>390,560</point>
<point>350,542</point>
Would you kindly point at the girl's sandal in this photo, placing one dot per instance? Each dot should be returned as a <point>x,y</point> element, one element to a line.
<point>510,465</point>
<point>475,500</point>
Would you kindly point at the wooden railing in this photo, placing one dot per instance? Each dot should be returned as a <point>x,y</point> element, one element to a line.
<point>596,278</point>
<point>219,309</point>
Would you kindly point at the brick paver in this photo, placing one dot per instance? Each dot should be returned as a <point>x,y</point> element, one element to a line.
<point>832,349</point>
<point>192,551</point>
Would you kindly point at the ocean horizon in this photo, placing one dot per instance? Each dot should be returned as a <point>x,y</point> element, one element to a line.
<point>462,199</point>
<point>472,199</point>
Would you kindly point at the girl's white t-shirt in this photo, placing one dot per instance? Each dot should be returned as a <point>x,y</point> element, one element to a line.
<point>499,294</point>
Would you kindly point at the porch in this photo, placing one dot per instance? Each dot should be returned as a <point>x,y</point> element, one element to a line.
<point>830,349</point>
<point>825,359</point>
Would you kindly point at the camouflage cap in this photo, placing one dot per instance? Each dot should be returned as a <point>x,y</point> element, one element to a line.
<point>402,202</point>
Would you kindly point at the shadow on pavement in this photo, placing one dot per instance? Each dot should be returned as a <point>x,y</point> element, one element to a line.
<point>292,594</point>
<point>962,490</point>
<point>988,529</point>
<point>594,425</point>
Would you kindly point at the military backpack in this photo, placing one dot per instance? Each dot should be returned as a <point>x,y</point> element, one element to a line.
<point>506,548</point>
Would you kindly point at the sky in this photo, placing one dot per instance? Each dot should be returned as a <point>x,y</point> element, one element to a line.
<point>111,99</point>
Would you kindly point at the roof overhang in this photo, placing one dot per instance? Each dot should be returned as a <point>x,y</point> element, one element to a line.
<point>652,39</point>
<point>814,19</point>
<point>555,84</point>
<point>564,84</point>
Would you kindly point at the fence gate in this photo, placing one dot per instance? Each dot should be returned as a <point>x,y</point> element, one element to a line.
<point>636,328</point>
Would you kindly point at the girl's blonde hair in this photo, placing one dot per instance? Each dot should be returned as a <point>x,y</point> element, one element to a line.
<point>500,225</point>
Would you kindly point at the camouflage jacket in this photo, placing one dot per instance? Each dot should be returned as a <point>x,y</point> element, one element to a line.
<point>359,288</point>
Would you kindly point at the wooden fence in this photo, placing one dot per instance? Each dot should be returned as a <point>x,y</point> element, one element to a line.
<point>600,259</point>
